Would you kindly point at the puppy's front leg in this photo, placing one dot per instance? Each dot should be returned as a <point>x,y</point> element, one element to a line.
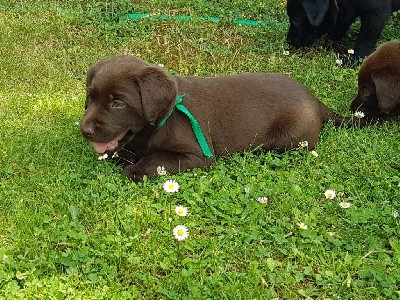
<point>172,162</point>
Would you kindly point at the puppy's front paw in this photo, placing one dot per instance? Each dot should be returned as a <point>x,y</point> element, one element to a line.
<point>131,173</point>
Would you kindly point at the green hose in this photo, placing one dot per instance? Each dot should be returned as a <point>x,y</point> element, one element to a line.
<point>189,18</point>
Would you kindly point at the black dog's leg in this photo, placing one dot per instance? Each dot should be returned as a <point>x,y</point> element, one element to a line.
<point>339,30</point>
<point>369,34</point>
<point>370,31</point>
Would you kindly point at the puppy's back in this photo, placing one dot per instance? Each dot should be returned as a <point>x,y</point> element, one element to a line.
<point>245,91</point>
<point>240,111</point>
<point>385,60</point>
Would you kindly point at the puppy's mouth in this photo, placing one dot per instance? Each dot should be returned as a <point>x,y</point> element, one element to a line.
<point>114,145</point>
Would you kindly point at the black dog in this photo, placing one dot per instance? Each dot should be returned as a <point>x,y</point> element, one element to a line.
<point>310,19</point>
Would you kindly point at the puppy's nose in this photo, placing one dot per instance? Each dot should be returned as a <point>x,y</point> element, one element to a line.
<point>87,130</point>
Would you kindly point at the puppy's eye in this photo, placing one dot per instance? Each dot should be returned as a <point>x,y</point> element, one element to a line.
<point>117,104</point>
<point>296,20</point>
<point>365,92</point>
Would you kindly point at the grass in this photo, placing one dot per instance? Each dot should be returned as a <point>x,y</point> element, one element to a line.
<point>73,228</point>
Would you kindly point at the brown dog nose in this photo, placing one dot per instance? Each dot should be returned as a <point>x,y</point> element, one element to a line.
<point>87,130</point>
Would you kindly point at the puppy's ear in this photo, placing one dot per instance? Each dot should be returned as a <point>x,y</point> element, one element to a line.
<point>316,10</point>
<point>158,91</point>
<point>89,76</point>
<point>387,91</point>
<point>93,69</point>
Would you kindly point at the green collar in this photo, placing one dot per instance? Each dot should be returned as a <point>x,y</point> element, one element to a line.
<point>195,126</point>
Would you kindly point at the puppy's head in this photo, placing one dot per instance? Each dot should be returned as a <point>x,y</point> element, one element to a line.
<point>309,20</point>
<point>379,82</point>
<point>124,95</point>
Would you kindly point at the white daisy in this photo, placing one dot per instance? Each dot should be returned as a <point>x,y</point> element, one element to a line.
<point>103,156</point>
<point>345,204</point>
<point>171,186</point>
<point>302,226</point>
<point>303,144</point>
<point>263,200</point>
<point>161,171</point>
<point>330,194</point>
<point>285,52</point>
<point>180,232</point>
<point>350,51</point>
<point>314,153</point>
<point>359,114</point>
<point>181,211</point>
<point>148,232</point>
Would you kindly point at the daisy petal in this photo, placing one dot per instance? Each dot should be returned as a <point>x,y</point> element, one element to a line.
<point>302,226</point>
<point>180,232</point>
<point>330,194</point>
<point>263,200</point>
<point>171,186</point>
<point>345,204</point>
<point>181,211</point>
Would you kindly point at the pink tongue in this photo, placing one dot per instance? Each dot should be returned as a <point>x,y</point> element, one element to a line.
<point>103,147</point>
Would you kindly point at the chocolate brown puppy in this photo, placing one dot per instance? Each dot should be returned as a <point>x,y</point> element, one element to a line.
<point>379,83</point>
<point>132,108</point>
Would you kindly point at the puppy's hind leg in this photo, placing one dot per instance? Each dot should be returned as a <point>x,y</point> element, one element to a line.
<point>289,129</point>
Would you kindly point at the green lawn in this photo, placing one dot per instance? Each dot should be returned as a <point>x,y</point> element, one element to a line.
<point>71,227</point>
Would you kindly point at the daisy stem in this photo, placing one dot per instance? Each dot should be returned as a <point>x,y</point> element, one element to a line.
<point>177,254</point>
<point>170,217</point>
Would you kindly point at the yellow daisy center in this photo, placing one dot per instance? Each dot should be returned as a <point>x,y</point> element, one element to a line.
<point>180,232</point>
